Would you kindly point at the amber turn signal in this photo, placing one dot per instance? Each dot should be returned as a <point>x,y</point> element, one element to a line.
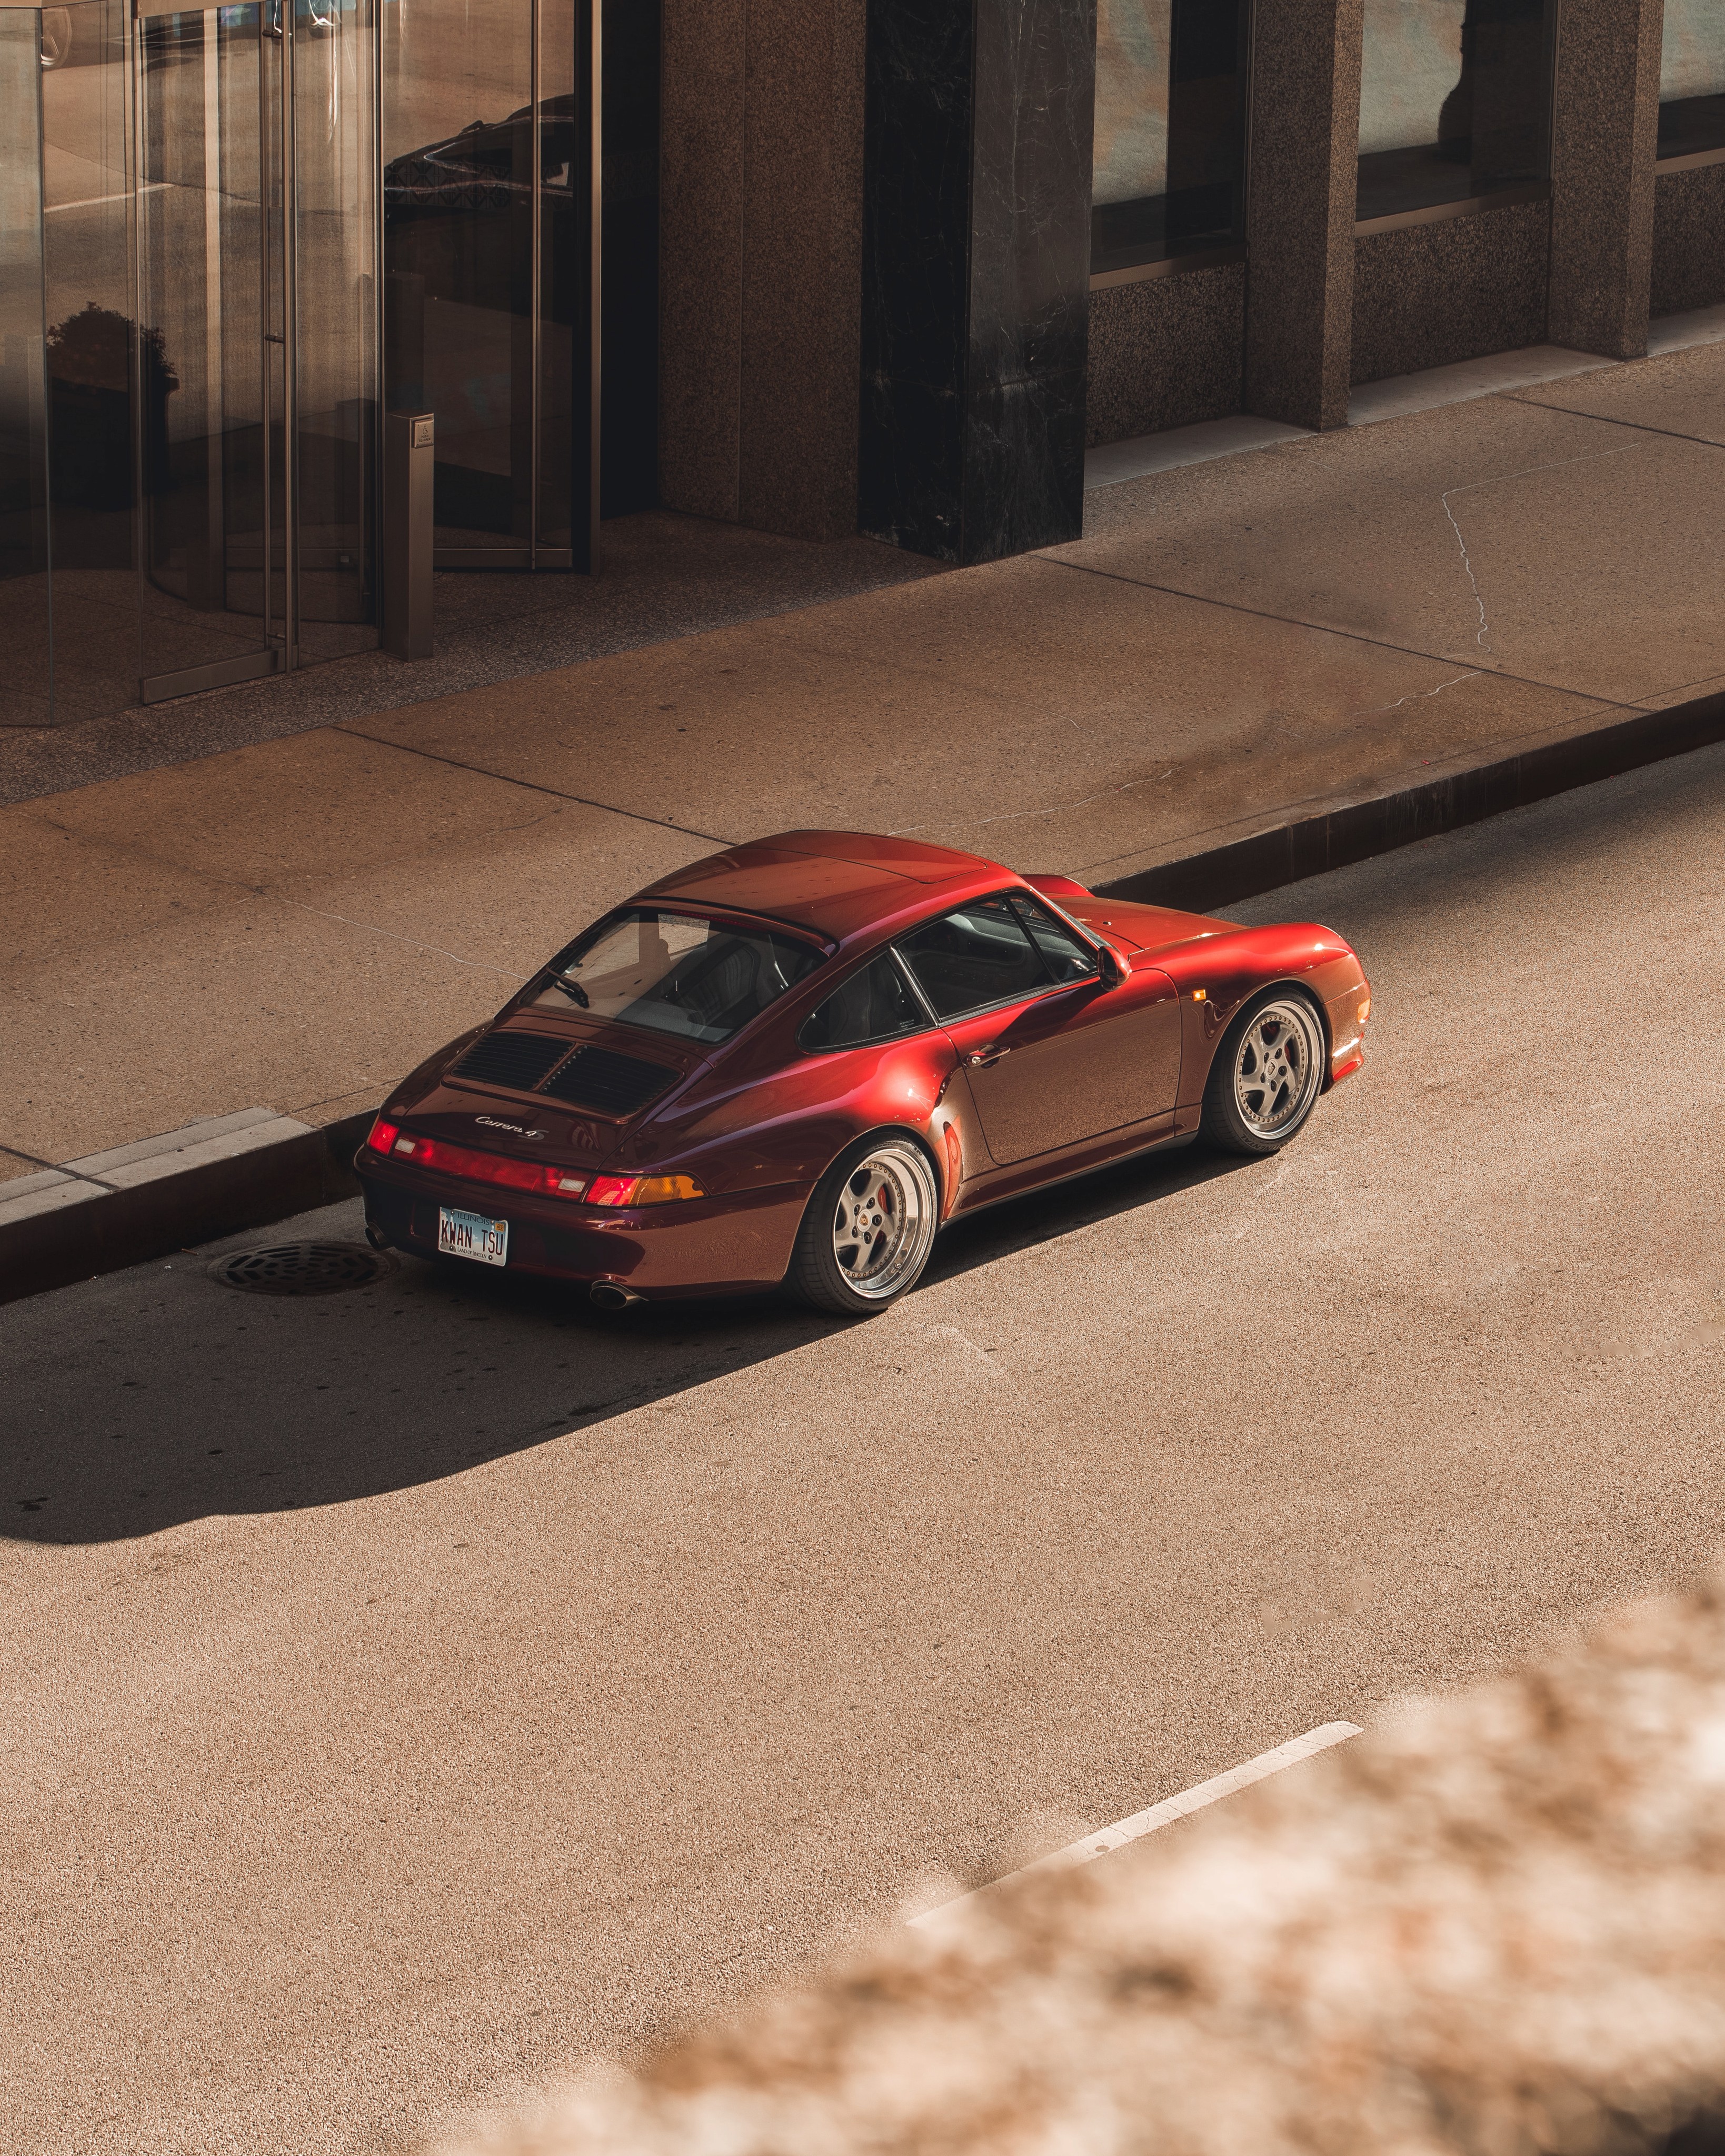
<point>642,1189</point>
<point>666,1189</point>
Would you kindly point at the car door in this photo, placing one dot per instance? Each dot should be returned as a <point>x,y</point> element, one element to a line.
<point>1055,1053</point>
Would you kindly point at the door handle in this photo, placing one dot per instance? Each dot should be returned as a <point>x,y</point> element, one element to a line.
<point>980,1058</point>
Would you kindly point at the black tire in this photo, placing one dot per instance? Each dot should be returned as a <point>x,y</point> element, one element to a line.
<point>879,1202</point>
<point>1267,1073</point>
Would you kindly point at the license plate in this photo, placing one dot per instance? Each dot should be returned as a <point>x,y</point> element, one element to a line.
<point>472,1235</point>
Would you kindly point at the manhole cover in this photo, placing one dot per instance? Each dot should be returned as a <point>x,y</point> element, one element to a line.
<point>303,1267</point>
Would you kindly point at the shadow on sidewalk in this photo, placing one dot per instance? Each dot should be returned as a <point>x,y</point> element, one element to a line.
<point>148,1398</point>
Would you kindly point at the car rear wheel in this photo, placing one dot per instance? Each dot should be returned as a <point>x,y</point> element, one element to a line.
<point>1267,1073</point>
<point>868,1229</point>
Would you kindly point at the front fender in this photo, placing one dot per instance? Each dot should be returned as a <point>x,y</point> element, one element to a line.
<point>1214,975</point>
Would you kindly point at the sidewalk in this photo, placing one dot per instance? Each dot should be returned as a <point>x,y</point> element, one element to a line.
<point>291,924</point>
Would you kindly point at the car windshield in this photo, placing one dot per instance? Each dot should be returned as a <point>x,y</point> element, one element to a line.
<point>676,973</point>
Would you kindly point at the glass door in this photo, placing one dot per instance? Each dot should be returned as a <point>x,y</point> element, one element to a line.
<point>188,347</point>
<point>26,650</point>
<point>211,487</point>
<point>490,197</point>
<point>67,331</point>
<point>257,351</point>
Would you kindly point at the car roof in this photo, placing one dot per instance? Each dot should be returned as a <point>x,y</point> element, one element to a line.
<point>837,883</point>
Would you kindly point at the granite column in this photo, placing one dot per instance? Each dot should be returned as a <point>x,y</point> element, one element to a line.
<point>1300,208</point>
<point>761,228</point>
<point>1604,141</point>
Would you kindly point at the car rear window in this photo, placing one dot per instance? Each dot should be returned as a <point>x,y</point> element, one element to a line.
<point>676,973</point>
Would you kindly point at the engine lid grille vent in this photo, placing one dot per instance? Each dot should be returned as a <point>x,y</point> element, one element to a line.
<point>615,1085</point>
<point>517,1060</point>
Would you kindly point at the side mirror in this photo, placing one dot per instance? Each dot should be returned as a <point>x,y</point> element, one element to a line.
<point>1114,968</point>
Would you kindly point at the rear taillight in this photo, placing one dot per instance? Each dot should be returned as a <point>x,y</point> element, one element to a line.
<point>544,1181</point>
<point>481,1167</point>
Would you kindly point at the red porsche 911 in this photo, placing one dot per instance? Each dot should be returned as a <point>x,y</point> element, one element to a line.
<point>791,1064</point>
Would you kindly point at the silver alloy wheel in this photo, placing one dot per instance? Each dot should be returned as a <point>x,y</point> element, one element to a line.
<point>1277,1067</point>
<point>885,1220</point>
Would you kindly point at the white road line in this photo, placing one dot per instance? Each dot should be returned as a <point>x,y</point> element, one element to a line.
<point>1171,1809</point>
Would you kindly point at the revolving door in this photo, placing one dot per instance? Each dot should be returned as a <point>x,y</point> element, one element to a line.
<point>189,328</point>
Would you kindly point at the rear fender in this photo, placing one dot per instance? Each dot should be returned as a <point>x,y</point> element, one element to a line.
<point>788,1125</point>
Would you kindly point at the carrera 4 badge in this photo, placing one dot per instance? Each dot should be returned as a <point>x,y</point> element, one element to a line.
<point>520,1130</point>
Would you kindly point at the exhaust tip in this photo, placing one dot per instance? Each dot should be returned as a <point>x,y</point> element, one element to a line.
<point>377,1238</point>
<point>612,1295</point>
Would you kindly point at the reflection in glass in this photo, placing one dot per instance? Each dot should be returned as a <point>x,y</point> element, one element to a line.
<point>458,207</point>
<point>205,491</point>
<point>1454,98</point>
<point>1170,129</point>
<point>562,269</point>
<point>24,649</point>
<point>99,366</point>
<point>334,166</point>
<point>187,346</point>
<point>1692,79</point>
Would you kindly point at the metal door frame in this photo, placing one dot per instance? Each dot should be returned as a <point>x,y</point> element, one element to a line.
<point>589,77</point>
<point>280,647</point>
<point>278,215</point>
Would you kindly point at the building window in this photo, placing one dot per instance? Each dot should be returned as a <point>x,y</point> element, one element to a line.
<point>1692,79</point>
<point>1454,102</point>
<point>1169,166</point>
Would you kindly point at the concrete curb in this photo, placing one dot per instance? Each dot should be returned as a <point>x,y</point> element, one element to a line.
<point>214,1177</point>
<point>1457,794</point>
<point>137,1201</point>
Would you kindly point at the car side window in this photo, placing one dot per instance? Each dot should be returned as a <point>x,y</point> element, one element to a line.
<point>876,1003</point>
<point>980,954</point>
<point>1067,959</point>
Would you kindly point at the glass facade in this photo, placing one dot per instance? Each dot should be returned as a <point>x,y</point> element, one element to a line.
<point>487,206</point>
<point>1692,79</point>
<point>188,305</point>
<point>1455,99</point>
<point>1169,160</point>
<point>229,238</point>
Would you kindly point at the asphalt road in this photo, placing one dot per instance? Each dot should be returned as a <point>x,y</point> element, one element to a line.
<point>410,1690</point>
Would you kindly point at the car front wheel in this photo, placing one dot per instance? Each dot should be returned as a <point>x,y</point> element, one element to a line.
<point>1266,1076</point>
<point>868,1229</point>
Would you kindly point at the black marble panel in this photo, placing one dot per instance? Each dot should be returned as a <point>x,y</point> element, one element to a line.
<point>629,369</point>
<point>976,273</point>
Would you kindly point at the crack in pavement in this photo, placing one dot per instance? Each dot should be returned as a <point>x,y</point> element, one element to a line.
<point>1483,634</point>
<point>1418,696</point>
<point>1484,630</point>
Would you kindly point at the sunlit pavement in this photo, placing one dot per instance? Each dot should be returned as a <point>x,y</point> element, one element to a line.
<point>413,1689</point>
<point>293,923</point>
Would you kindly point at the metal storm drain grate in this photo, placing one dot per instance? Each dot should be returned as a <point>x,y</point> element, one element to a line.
<point>303,1267</point>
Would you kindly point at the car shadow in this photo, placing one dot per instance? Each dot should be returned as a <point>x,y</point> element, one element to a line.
<point>149,1399</point>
